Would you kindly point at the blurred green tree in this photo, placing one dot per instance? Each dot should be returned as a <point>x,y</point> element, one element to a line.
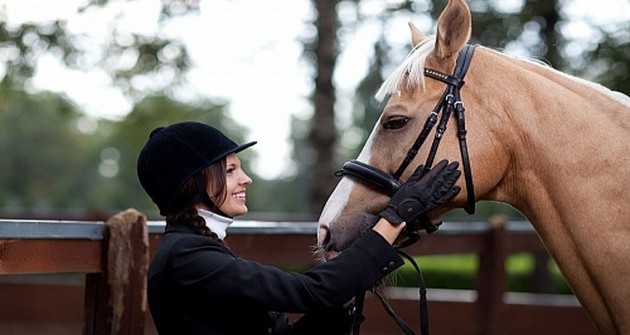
<point>47,148</point>
<point>122,55</point>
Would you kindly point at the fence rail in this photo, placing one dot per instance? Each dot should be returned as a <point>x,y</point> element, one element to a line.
<point>113,306</point>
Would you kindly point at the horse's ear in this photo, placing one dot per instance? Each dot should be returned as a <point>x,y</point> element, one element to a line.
<point>416,35</point>
<point>453,28</point>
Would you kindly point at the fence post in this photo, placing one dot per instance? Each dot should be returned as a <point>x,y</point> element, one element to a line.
<point>491,278</point>
<point>115,300</point>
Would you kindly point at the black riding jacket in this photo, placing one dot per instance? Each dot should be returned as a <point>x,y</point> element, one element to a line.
<point>196,286</point>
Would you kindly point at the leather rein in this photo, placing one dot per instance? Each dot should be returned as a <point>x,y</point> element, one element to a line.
<point>450,103</point>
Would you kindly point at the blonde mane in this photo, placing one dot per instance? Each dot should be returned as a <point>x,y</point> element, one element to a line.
<point>413,66</point>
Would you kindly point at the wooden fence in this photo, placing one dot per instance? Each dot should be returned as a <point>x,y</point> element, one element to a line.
<point>111,260</point>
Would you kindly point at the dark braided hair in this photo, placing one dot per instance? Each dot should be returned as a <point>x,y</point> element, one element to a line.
<point>194,192</point>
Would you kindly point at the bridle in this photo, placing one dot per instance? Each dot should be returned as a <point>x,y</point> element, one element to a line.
<point>449,103</point>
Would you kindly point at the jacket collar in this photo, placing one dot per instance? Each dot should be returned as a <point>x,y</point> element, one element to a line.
<point>178,228</point>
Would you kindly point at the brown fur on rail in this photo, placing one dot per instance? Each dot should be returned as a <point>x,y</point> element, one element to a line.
<point>122,256</point>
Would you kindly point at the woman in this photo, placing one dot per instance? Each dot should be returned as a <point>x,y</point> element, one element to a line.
<point>196,285</point>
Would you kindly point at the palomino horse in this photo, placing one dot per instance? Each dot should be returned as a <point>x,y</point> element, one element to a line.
<point>555,147</point>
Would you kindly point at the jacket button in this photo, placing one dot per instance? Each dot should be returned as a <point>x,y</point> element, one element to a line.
<point>391,264</point>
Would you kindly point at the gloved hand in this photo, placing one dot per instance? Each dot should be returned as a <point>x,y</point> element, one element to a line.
<point>418,196</point>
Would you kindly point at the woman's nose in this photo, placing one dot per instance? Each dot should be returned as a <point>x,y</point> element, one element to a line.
<point>245,180</point>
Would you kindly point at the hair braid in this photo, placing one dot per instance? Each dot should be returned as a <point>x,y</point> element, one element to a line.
<point>190,217</point>
<point>194,192</point>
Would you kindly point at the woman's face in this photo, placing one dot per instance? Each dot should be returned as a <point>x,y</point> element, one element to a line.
<point>236,182</point>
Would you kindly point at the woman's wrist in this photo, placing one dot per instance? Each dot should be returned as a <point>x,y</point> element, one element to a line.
<point>388,230</point>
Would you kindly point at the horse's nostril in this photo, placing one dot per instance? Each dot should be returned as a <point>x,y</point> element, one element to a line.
<point>327,244</point>
<point>325,239</point>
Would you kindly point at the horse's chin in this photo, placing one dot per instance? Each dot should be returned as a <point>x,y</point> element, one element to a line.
<point>340,235</point>
<point>322,256</point>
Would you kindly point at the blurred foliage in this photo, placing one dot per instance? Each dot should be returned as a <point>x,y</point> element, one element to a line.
<point>23,45</point>
<point>46,159</point>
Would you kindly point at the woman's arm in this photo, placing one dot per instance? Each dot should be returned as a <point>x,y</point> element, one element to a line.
<point>201,265</point>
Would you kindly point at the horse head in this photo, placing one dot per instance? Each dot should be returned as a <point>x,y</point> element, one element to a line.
<point>353,206</point>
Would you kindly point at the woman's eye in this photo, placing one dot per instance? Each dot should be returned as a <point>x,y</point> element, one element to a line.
<point>396,122</point>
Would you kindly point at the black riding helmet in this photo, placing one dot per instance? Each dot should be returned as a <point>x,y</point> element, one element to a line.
<point>175,153</point>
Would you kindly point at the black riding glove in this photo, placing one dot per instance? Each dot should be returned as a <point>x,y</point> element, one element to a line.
<point>419,195</point>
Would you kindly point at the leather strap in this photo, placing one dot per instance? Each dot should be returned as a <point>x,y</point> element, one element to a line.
<point>423,305</point>
<point>373,176</point>
<point>450,100</point>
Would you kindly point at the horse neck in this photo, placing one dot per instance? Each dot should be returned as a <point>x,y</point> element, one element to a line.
<point>565,135</point>
<point>569,173</point>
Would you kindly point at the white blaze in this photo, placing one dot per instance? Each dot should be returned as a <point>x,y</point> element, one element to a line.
<point>339,198</point>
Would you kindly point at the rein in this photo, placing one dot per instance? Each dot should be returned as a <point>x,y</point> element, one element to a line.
<point>423,304</point>
<point>449,104</point>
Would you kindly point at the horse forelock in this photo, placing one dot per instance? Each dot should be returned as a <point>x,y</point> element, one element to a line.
<point>413,66</point>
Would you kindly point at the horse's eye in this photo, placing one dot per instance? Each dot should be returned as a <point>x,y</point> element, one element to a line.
<point>395,122</point>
